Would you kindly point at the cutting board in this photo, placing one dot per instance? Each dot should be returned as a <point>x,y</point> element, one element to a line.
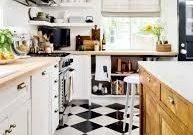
<point>96,33</point>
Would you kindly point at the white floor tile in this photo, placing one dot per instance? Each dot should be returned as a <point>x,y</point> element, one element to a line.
<point>103,110</point>
<point>74,119</point>
<point>103,131</point>
<point>78,109</point>
<point>104,120</point>
<point>68,131</point>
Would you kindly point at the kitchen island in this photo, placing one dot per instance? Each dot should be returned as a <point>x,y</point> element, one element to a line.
<point>166,98</point>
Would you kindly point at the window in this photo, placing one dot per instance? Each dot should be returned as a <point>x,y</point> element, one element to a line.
<point>124,33</point>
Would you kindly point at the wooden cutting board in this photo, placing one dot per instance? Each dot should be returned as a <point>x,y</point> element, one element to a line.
<point>96,33</point>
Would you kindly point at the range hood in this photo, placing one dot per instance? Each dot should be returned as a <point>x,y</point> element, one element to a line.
<point>36,2</point>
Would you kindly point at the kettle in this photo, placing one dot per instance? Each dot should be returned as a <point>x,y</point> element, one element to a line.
<point>89,19</point>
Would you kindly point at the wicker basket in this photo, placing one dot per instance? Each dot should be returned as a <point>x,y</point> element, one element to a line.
<point>163,48</point>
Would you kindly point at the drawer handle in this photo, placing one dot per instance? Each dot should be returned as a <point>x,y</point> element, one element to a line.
<point>21,86</point>
<point>44,73</point>
<point>171,100</point>
<point>55,96</point>
<point>56,111</point>
<point>13,126</point>
<point>148,79</point>
<point>8,131</point>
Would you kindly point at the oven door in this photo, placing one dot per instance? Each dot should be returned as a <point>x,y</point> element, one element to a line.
<point>66,89</point>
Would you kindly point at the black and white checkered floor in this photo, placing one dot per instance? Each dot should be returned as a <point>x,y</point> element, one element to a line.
<point>98,120</point>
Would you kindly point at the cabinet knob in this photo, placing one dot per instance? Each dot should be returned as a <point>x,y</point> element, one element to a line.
<point>56,66</point>
<point>55,96</point>
<point>44,73</point>
<point>21,86</point>
<point>171,100</point>
<point>56,81</point>
<point>56,111</point>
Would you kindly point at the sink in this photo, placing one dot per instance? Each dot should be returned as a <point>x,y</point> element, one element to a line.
<point>6,72</point>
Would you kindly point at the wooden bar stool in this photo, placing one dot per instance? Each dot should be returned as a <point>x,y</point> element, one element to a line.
<point>133,81</point>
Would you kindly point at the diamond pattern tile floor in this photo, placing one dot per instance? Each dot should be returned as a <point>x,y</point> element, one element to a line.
<point>98,120</point>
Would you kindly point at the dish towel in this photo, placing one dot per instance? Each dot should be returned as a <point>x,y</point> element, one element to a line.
<point>103,68</point>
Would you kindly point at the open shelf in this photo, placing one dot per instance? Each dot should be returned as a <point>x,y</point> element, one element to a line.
<point>76,5</point>
<point>111,96</point>
<point>44,23</point>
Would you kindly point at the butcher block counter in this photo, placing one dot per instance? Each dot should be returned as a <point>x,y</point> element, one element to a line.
<point>24,67</point>
<point>166,98</point>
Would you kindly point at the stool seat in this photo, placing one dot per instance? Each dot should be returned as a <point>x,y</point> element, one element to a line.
<point>133,79</point>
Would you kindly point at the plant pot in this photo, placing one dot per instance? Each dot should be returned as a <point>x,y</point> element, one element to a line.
<point>163,48</point>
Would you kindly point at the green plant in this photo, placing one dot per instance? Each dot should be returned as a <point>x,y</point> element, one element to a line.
<point>155,30</point>
<point>5,40</point>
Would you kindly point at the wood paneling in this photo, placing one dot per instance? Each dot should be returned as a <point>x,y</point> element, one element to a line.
<point>163,111</point>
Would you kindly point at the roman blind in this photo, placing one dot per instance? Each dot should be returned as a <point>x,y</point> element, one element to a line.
<point>131,7</point>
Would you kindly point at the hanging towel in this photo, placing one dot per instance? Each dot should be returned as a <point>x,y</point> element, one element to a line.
<point>103,68</point>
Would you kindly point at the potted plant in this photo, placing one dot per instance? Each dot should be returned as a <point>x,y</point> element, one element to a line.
<point>157,31</point>
<point>5,44</point>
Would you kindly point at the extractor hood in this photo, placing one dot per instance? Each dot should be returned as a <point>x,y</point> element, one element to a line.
<point>36,2</point>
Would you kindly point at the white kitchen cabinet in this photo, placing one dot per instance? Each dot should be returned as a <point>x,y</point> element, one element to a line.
<point>40,103</point>
<point>54,96</point>
<point>20,119</point>
<point>82,76</point>
<point>45,105</point>
<point>4,126</point>
<point>15,118</point>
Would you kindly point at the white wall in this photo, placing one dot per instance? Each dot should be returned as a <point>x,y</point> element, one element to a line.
<point>17,15</point>
<point>170,19</point>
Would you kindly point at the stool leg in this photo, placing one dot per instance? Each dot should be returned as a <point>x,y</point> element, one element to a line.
<point>133,88</point>
<point>126,108</point>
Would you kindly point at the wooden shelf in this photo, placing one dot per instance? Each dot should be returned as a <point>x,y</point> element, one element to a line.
<point>108,96</point>
<point>111,96</point>
<point>76,5</point>
<point>114,74</point>
<point>44,23</point>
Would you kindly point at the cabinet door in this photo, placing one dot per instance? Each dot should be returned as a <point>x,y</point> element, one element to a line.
<point>3,126</point>
<point>82,77</point>
<point>40,103</point>
<point>19,120</point>
<point>151,115</point>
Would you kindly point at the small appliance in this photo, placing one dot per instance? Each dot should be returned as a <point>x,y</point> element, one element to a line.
<point>58,36</point>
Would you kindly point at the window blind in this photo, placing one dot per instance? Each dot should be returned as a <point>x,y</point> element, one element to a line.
<point>131,7</point>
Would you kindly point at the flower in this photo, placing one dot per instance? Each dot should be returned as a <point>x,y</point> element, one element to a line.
<point>155,30</point>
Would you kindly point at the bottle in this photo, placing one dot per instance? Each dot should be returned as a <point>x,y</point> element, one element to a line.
<point>103,43</point>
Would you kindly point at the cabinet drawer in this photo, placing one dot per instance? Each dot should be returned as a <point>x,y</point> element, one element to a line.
<point>18,90</point>
<point>151,82</point>
<point>175,104</point>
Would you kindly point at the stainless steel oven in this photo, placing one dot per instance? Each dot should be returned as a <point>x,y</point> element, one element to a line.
<point>65,90</point>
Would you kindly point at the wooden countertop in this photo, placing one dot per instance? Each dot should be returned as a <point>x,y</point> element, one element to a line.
<point>175,74</point>
<point>26,66</point>
<point>129,53</point>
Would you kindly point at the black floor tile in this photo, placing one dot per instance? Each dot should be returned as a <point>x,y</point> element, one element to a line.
<point>116,106</point>
<point>93,106</point>
<point>116,115</point>
<point>118,126</point>
<point>61,127</point>
<point>89,115</point>
<point>86,126</point>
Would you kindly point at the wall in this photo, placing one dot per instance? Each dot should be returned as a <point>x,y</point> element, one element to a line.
<point>170,18</point>
<point>17,15</point>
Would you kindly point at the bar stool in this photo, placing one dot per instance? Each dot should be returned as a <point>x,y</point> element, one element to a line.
<point>133,81</point>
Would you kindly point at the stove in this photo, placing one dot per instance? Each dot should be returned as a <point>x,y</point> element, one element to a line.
<point>49,55</point>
